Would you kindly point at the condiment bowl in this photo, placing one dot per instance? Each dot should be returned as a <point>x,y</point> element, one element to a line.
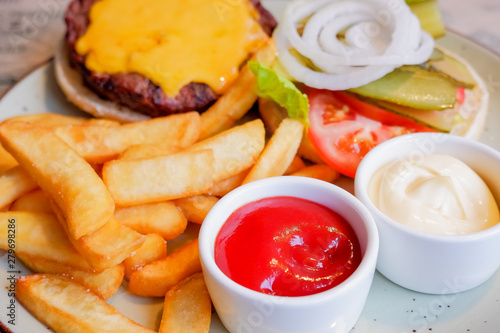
<point>335,310</point>
<point>429,262</point>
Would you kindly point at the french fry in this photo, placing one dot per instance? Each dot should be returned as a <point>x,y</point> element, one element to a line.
<point>70,181</point>
<point>238,98</point>
<point>54,120</point>
<point>318,171</point>
<point>156,278</point>
<point>67,306</point>
<point>36,202</point>
<point>103,122</point>
<point>196,208</point>
<point>40,235</point>
<point>153,249</point>
<point>279,151</point>
<point>135,182</point>
<point>107,246</point>
<point>306,150</point>
<point>296,165</point>
<point>148,151</point>
<point>187,307</point>
<point>224,186</point>
<point>6,160</point>
<point>105,284</point>
<point>163,218</point>
<point>235,149</point>
<point>14,183</point>
<point>98,144</point>
<point>272,114</point>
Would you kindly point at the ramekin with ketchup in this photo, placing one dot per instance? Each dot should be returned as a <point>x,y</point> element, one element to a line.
<point>289,254</point>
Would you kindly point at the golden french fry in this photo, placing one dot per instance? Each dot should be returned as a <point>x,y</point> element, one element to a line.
<point>272,114</point>
<point>238,98</point>
<point>187,307</point>
<point>306,150</point>
<point>156,278</point>
<point>224,186</point>
<point>148,151</point>
<point>6,160</point>
<point>54,119</point>
<point>105,284</point>
<point>196,208</point>
<point>279,151</point>
<point>153,249</point>
<point>235,149</point>
<point>296,165</point>
<point>15,183</point>
<point>134,182</point>
<point>107,246</point>
<point>63,174</point>
<point>39,235</point>
<point>162,218</point>
<point>103,122</point>
<point>67,306</point>
<point>98,144</point>
<point>318,171</point>
<point>36,201</point>
<point>46,119</point>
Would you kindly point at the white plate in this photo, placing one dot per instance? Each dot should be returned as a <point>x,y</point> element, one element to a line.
<point>389,309</point>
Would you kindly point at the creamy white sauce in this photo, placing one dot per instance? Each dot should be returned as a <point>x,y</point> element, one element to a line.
<point>438,194</point>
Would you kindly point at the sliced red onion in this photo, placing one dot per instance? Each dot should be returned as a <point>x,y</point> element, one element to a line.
<point>380,35</point>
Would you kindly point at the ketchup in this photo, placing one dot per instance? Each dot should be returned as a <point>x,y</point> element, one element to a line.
<point>287,246</point>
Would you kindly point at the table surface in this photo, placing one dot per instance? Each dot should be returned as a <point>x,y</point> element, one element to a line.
<point>30,30</point>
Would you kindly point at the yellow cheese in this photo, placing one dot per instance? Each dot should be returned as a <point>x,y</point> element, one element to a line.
<point>170,42</point>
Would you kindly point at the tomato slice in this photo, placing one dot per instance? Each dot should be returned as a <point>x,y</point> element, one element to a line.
<point>344,129</point>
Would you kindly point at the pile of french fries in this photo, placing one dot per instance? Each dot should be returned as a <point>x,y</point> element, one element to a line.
<point>95,202</point>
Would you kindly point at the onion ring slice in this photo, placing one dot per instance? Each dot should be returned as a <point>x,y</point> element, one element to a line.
<point>380,36</point>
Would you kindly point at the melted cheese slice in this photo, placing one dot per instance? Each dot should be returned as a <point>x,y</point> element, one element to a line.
<point>172,43</point>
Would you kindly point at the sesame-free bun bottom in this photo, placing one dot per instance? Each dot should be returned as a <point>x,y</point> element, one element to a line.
<point>77,93</point>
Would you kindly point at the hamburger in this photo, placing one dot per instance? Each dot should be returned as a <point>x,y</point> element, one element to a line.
<point>134,60</point>
<point>372,95</point>
<point>370,72</point>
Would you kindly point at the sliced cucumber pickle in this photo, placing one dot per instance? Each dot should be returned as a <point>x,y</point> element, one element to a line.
<point>452,69</point>
<point>436,55</point>
<point>429,16</point>
<point>411,2</point>
<point>442,121</point>
<point>413,87</point>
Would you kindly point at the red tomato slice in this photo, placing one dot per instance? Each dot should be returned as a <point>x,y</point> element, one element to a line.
<point>344,129</point>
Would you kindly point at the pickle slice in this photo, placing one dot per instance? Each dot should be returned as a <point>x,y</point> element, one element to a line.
<point>413,87</point>
<point>429,15</point>
<point>452,69</point>
<point>442,121</point>
<point>436,55</point>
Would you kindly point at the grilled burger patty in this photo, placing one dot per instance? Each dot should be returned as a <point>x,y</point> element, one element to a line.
<point>134,90</point>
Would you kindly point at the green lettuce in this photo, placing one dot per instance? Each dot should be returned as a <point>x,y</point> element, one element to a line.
<point>273,86</point>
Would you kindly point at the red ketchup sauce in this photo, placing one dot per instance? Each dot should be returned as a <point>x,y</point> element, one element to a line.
<point>287,246</point>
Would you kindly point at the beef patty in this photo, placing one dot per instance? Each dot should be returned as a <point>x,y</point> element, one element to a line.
<point>134,90</point>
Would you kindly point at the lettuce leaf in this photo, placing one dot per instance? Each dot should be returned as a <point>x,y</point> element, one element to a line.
<point>281,90</point>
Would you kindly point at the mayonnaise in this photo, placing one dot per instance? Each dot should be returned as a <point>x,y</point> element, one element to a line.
<point>438,194</point>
